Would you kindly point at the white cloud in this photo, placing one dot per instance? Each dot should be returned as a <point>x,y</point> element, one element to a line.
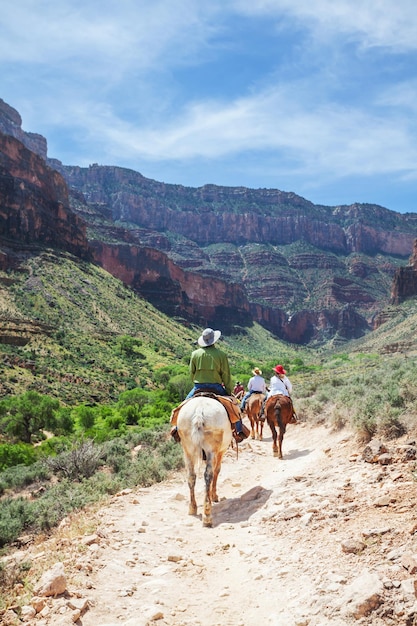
<point>374,22</point>
<point>331,139</point>
<point>127,34</point>
<point>106,81</point>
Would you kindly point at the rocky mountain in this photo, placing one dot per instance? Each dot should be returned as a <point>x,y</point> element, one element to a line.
<point>306,272</point>
<point>34,204</point>
<point>404,285</point>
<point>214,255</point>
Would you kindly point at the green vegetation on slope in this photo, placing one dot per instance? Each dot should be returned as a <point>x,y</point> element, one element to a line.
<point>90,373</point>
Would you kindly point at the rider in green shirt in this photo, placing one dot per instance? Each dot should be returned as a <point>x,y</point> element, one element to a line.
<point>209,366</point>
<point>209,369</point>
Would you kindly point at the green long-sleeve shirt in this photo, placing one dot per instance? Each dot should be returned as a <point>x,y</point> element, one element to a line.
<point>211,365</point>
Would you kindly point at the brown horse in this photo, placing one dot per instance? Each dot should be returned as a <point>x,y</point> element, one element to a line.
<point>253,411</point>
<point>279,411</point>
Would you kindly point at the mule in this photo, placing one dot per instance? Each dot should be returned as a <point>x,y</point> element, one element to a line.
<point>253,411</point>
<point>205,432</point>
<point>279,412</point>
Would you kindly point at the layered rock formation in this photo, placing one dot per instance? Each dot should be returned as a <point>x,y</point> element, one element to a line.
<point>404,285</point>
<point>11,124</point>
<point>34,203</point>
<point>307,272</point>
<point>214,255</point>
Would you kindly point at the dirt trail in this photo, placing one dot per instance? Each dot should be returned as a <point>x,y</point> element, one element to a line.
<point>274,555</point>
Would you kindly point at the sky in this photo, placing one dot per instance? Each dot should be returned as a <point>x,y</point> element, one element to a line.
<point>315,97</point>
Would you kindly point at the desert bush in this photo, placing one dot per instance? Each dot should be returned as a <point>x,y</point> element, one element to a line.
<point>408,386</point>
<point>116,454</point>
<point>339,418</point>
<point>14,517</point>
<point>156,456</point>
<point>310,410</point>
<point>20,476</point>
<point>12,573</point>
<point>80,462</point>
<point>389,424</point>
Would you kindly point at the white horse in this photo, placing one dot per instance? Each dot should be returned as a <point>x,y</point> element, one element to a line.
<point>204,427</point>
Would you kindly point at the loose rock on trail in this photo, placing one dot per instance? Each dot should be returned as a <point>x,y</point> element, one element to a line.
<point>320,538</point>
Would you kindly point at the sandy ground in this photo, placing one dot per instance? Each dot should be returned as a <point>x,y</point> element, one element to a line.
<point>274,555</point>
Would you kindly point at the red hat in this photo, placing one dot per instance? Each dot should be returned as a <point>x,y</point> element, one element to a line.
<point>279,370</point>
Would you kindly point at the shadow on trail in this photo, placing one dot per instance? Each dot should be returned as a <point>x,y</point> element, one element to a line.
<point>296,454</point>
<point>240,509</point>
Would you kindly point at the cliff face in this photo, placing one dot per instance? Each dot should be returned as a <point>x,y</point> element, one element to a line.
<point>404,284</point>
<point>210,214</point>
<point>173,290</point>
<point>11,124</point>
<point>34,203</point>
<point>218,256</point>
<point>307,272</point>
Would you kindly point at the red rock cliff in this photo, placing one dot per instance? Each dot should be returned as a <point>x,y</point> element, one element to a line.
<point>172,289</point>
<point>404,284</point>
<point>34,204</point>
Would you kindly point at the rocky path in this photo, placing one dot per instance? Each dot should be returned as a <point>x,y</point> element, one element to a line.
<point>321,538</point>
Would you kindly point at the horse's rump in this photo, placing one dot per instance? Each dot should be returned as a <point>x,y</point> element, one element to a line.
<point>203,422</point>
<point>281,407</point>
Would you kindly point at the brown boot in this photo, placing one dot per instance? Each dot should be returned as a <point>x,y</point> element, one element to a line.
<point>175,435</point>
<point>242,434</point>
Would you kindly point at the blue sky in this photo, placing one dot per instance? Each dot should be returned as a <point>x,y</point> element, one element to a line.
<point>315,97</point>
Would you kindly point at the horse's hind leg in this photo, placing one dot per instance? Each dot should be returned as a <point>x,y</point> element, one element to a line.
<point>216,471</point>
<point>191,478</point>
<point>271,422</point>
<point>252,423</point>
<point>208,478</point>
<point>282,429</point>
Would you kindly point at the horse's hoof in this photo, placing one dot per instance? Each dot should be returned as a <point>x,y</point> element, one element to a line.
<point>207,523</point>
<point>192,510</point>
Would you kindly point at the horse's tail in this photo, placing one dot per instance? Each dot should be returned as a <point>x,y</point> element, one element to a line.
<point>197,427</point>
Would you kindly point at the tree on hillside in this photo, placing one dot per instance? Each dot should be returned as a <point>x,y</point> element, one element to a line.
<point>25,416</point>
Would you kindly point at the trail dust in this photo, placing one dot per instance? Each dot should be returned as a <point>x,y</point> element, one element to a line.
<point>319,538</point>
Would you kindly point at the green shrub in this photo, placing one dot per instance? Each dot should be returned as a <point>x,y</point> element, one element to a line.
<point>85,415</point>
<point>15,514</point>
<point>21,476</point>
<point>178,388</point>
<point>16,454</point>
<point>27,415</point>
<point>116,454</point>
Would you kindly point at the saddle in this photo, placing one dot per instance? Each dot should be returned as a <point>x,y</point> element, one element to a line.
<point>229,402</point>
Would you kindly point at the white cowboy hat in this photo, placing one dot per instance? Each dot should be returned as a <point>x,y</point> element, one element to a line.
<point>208,337</point>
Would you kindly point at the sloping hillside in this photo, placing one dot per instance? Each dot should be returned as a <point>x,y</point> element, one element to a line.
<point>70,329</point>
